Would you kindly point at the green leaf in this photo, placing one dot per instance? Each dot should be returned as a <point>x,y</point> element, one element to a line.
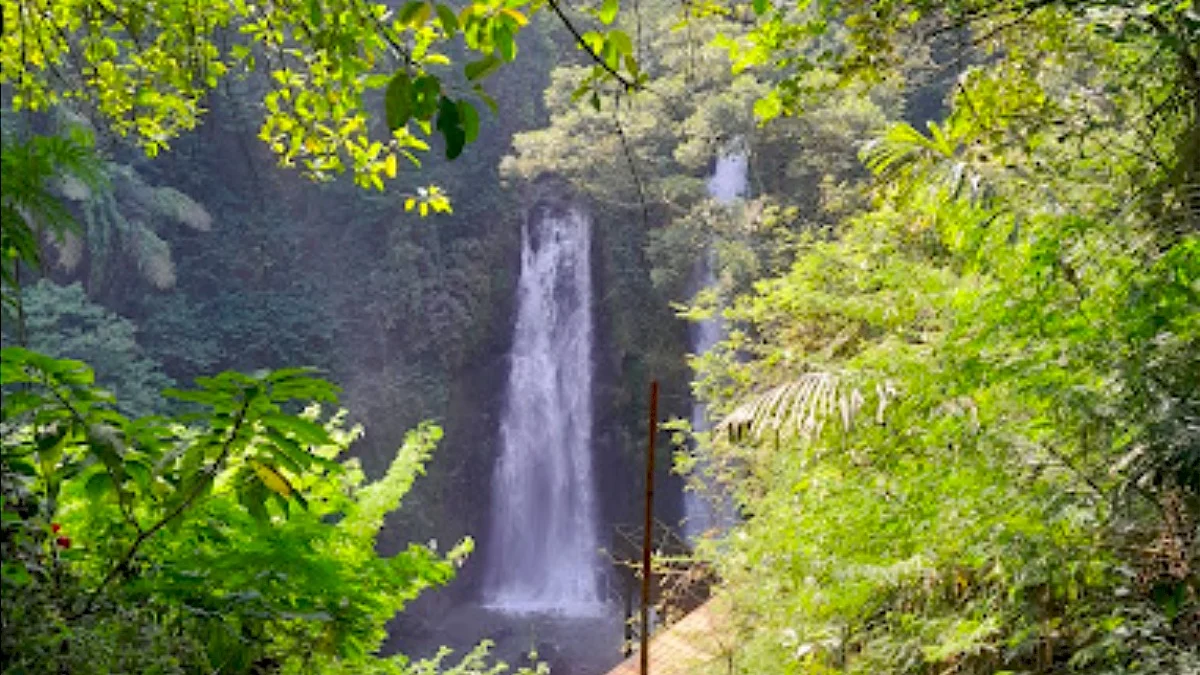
<point>487,99</point>
<point>51,440</point>
<point>608,10</point>
<point>621,42</point>
<point>425,92</point>
<point>304,374</point>
<point>415,13</point>
<point>377,81</point>
<point>301,429</point>
<point>202,396</point>
<point>477,70</point>
<point>253,496</point>
<point>450,124</point>
<point>289,452</point>
<point>19,402</point>
<point>140,473</point>
<point>761,6</point>
<point>593,40</point>
<point>398,100</point>
<point>21,467</point>
<point>99,485</point>
<point>448,19</point>
<point>470,120</point>
<point>15,574</point>
<point>304,389</point>
<point>610,55</point>
<point>503,38</point>
<point>631,65</point>
<point>768,108</point>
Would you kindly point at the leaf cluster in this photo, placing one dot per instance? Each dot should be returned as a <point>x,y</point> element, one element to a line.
<point>231,526</point>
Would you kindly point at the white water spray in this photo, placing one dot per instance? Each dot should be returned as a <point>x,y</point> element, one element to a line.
<point>543,549</point>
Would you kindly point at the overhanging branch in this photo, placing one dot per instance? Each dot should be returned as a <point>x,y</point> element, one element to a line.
<point>628,84</point>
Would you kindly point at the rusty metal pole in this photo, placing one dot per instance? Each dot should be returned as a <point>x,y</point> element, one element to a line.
<point>647,535</point>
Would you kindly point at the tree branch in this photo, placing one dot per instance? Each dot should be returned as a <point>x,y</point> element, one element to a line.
<point>627,84</point>
<point>637,179</point>
<point>126,510</point>
<point>197,488</point>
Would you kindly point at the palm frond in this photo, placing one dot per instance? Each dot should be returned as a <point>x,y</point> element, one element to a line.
<point>905,154</point>
<point>800,408</point>
<point>902,148</point>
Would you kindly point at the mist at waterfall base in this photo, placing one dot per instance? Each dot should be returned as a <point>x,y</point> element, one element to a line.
<point>705,509</point>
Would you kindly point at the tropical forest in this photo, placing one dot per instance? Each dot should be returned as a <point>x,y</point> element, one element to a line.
<point>586,337</point>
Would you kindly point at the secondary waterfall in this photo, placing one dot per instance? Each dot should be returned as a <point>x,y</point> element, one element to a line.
<point>728,182</point>
<point>704,510</point>
<point>543,548</point>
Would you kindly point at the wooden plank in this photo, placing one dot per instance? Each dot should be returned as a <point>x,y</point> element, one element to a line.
<point>695,641</point>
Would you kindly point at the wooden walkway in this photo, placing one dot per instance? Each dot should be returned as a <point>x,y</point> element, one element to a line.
<point>695,644</point>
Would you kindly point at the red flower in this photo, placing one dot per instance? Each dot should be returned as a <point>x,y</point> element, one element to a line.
<point>64,542</point>
<point>55,527</point>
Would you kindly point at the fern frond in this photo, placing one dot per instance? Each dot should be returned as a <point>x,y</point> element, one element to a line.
<point>181,208</point>
<point>153,256</point>
<point>902,148</point>
<point>163,201</point>
<point>70,251</point>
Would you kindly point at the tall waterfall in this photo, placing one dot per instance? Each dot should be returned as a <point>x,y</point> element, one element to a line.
<point>543,548</point>
<point>704,510</point>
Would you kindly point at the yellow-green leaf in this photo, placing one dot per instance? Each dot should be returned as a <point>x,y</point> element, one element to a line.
<point>273,479</point>
<point>608,11</point>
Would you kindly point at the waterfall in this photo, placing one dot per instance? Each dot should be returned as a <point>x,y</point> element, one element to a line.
<point>704,510</point>
<point>728,182</point>
<point>543,548</point>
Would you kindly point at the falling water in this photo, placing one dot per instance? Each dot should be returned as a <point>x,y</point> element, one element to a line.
<point>703,509</point>
<point>728,182</point>
<point>544,550</point>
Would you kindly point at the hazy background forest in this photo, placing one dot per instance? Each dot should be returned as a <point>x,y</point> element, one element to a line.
<point>950,407</point>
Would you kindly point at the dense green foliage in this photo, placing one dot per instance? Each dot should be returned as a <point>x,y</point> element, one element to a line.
<point>963,422</point>
<point>145,69</point>
<point>266,269</point>
<point>228,538</point>
<point>960,390</point>
<point>29,207</point>
<point>62,322</point>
